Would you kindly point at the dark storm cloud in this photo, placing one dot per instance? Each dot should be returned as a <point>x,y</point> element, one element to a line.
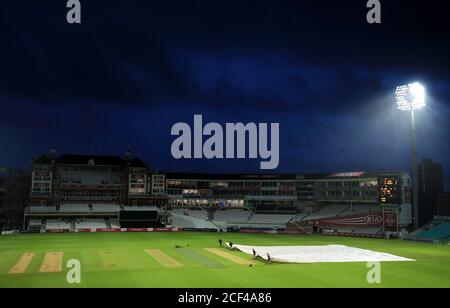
<point>341,92</point>
<point>49,62</point>
<point>122,52</point>
<point>271,84</point>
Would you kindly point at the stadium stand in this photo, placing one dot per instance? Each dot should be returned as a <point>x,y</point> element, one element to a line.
<point>140,208</point>
<point>35,222</point>
<point>90,224</point>
<point>232,215</point>
<point>300,221</point>
<point>327,211</point>
<point>191,222</point>
<point>240,219</point>
<point>300,216</point>
<point>35,225</point>
<point>74,208</point>
<point>57,224</point>
<point>42,209</point>
<point>438,230</point>
<point>193,213</point>
<point>275,219</point>
<point>236,219</point>
<point>114,223</point>
<point>105,208</point>
<point>360,209</point>
<point>255,226</point>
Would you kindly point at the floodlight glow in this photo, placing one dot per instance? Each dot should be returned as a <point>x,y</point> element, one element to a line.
<point>410,97</point>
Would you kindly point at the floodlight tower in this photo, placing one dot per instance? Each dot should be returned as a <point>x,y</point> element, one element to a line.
<point>411,97</point>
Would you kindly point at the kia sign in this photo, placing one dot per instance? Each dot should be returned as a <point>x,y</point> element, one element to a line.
<point>373,219</point>
<point>364,221</point>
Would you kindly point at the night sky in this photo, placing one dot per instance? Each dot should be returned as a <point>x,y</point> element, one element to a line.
<point>134,68</point>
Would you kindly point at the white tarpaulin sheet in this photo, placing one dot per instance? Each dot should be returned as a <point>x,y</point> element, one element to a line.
<point>318,254</point>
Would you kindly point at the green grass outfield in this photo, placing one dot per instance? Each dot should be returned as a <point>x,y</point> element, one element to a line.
<point>120,260</point>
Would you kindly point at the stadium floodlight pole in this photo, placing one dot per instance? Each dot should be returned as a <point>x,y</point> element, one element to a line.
<point>411,97</point>
<point>415,181</point>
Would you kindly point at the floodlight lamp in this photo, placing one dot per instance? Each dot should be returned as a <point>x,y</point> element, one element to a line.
<point>410,97</point>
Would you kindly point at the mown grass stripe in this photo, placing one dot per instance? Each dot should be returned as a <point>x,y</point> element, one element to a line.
<point>163,258</point>
<point>205,261</point>
<point>228,256</point>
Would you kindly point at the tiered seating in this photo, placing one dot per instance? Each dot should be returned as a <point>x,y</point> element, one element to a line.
<point>300,216</point>
<point>105,208</point>
<point>74,208</point>
<point>361,209</point>
<point>35,225</point>
<point>140,208</point>
<point>91,223</point>
<point>328,211</point>
<point>114,223</point>
<point>181,220</point>
<point>436,230</point>
<point>35,222</point>
<point>270,218</point>
<point>232,215</point>
<point>179,211</point>
<point>194,213</point>
<point>57,224</point>
<point>42,209</point>
<point>229,217</point>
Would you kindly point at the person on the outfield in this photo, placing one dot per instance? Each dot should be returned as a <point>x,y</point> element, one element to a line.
<point>269,259</point>
<point>231,245</point>
<point>220,242</point>
<point>254,253</point>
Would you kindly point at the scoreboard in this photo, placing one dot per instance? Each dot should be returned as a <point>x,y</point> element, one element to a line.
<point>390,191</point>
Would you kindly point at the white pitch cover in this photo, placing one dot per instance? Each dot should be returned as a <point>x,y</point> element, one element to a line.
<point>318,254</point>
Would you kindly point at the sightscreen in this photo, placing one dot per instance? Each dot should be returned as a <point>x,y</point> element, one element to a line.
<point>139,219</point>
<point>138,215</point>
